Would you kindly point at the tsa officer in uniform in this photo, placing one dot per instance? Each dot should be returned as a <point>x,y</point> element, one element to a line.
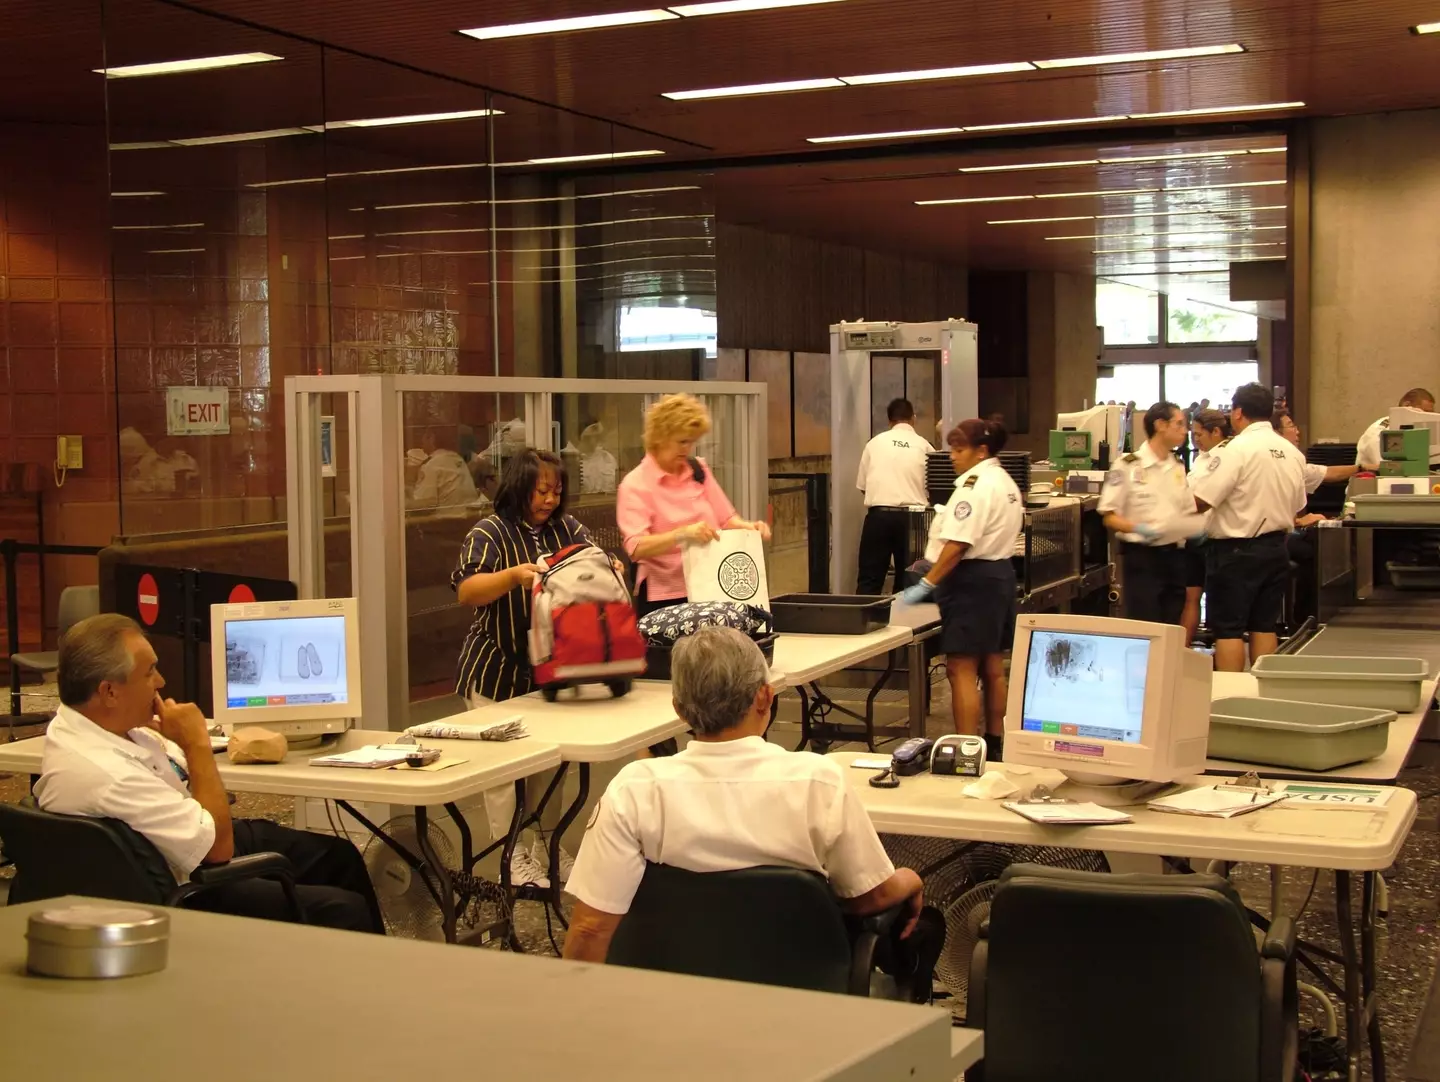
<point>1145,499</point>
<point>892,476</point>
<point>1367,450</point>
<point>973,580</point>
<point>1209,428</point>
<point>1254,485</point>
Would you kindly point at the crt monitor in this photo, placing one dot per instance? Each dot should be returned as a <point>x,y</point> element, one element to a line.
<point>291,666</point>
<point>1102,422</point>
<point>1107,701</point>
<point>1405,417</point>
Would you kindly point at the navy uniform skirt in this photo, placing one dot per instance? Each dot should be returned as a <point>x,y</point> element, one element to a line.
<point>977,608</point>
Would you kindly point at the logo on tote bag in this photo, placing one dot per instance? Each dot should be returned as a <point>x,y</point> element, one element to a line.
<point>738,576</point>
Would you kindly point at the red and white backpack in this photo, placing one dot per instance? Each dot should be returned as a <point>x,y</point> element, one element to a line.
<point>582,624</point>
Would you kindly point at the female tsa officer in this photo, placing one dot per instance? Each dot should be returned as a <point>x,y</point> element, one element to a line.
<point>973,581</point>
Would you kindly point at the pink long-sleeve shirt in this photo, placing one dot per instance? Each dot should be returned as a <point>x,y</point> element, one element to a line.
<point>651,501</point>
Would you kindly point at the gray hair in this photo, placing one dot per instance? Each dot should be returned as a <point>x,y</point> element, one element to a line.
<point>715,675</point>
<point>94,651</point>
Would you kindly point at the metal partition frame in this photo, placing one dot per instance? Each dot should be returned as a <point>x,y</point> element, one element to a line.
<point>851,346</point>
<point>377,507</point>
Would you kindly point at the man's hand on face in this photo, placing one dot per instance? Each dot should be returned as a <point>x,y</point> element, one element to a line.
<point>182,723</point>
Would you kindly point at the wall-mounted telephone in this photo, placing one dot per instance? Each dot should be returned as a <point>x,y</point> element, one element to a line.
<point>69,452</point>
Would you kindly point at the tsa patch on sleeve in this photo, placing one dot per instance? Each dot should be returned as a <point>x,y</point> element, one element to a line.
<point>963,511</point>
<point>1214,463</point>
<point>1114,477</point>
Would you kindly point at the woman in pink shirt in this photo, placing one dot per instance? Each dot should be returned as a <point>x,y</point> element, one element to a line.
<point>672,499</point>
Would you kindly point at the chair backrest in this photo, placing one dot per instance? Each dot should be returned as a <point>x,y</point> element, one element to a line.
<point>76,603</point>
<point>767,925</point>
<point>73,854</point>
<point>1129,978</point>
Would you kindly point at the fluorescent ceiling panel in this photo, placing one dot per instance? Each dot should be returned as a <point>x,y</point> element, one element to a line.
<point>1029,165</point>
<point>133,195</point>
<point>1224,110</point>
<point>565,158</point>
<point>179,67</point>
<point>927,74</point>
<point>416,118</point>
<point>914,133</point>
<point>1426,28</point>
<point>175,225</point>
<point>562,26</point>
<point>241,137</point>
<point>1172,233</point>
<point>729,7</point>
<point>1088,195</point>
<point>973,199</point>
<point>751,89</point>
<point>1131,58</point>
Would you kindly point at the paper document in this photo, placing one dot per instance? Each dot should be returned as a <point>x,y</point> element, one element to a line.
<point>1073,814</point>
<point>370,757</point>
<point>1217,801</point>
<point>1312,795</point>
<point>511,728</point>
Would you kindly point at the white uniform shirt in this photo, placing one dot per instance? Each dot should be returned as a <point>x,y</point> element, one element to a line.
<point>444,481</point>
<point>1367,447</point>
<point>1314,476</point>
<point>892,469</point>
<point>1254,481</point>
<point>985,512</point>
<point>723,806</point>
<point>87,770</point>
<point>599,472</point>
<point>1148,489</point>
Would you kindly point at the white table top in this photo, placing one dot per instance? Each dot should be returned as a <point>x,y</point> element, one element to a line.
<point>931,806</point>
<point>1383,769</point>
<point>587,724</point>
<point>914,616</point>
<point>803,658</point>
<point>333,1016</point>
<point>488,764</point>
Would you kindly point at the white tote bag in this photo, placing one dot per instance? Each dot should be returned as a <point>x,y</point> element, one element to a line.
<point>730,569</point>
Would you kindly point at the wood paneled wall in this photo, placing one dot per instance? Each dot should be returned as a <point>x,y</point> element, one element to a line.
<point>783,292</point>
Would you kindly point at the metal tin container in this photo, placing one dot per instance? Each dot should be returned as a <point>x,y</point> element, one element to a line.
<point>89,941</point>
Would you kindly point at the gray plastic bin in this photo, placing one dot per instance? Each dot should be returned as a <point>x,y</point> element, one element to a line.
<point>1384,683</point>
<point>1302,736</point>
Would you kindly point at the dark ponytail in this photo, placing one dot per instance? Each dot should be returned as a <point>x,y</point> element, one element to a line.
<point>977,433</point>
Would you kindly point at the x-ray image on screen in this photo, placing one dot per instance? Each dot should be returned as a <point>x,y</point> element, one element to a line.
<point>1085,685</point>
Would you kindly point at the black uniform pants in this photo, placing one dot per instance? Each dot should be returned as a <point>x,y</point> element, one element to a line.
<point>884,538</point>
<point>330,878</point>
<point>1154,582</point>
<point>912,961</point>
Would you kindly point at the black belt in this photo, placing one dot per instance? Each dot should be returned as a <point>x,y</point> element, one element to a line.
<point>1267,536</point>
<point>1134,546</point>
<point>917,508</point>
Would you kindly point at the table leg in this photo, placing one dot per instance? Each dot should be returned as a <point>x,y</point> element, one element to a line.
<point>890,656</point>
<point>512,838</point>
<point>417,864</point>
<point>1371,1003</point>
<point>919,679</point>
<point>1354,1010</point>
<point>559,832</point>
<point>804,717</point>
<point>438,869</point>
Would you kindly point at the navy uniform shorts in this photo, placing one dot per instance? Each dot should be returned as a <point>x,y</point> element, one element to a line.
<point>977,608</point>
<point>1245,583</point>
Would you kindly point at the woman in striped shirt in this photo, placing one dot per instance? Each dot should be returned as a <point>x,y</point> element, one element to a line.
<point>498,563</point>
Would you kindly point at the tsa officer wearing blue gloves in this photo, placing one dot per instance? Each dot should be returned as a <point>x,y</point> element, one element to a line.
<point>1148,505</point>
<point>973,580</point>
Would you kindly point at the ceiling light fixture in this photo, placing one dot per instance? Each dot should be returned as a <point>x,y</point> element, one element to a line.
<point>171,251</point>
<point>178,67</point>
<point>915,133</point>
<point>417,118</point>
<point>1426,28</point>
<point>1132,58</point>
<point>1173,157</point>
<point>1144,214</point>
<point>753,88</point>
<point>286,183</point>
<point>1085,195</point>
<point>1028,221</point>
<point>1172,233</point>
<point>566,158</point>
<point>538,198</point>
<point>176,225</point>
<point>973,199</point>
<point>562,26</point>
<point>1220,110</point>
<point>926,74</point>
<point>728,7</point>
<point>1029,165</point>
<point>242,137</point>
<point>1046,123</point>
<point>133,195</point>
<point>1198,246</point>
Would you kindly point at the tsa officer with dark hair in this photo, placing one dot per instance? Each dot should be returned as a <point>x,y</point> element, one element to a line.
<point>1254,485</point>
<point>1148,505</point>
<point>892,476</point>
<point>972,579</point>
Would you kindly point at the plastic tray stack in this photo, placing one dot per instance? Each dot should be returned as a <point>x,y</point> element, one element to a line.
<point>1017,465</point>
<point>939,476</point>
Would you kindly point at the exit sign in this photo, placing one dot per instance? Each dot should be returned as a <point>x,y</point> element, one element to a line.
<point>197,411</point>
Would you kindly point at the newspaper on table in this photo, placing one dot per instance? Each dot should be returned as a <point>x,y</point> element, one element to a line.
<point>511,728</point>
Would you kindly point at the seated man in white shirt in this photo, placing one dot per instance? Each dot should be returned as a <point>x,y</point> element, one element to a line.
<point>115,749</point>
<point>730,801</point>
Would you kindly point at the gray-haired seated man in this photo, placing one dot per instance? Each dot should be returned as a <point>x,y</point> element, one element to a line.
<point>730,800</point>
<point>116,749</point>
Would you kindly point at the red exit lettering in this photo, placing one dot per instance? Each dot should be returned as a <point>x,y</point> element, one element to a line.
<point>201,412</point>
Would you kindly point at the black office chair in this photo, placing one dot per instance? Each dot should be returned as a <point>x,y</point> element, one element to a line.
<point>104,858</point>
<point>1083,976</point>
<point>766,925</point>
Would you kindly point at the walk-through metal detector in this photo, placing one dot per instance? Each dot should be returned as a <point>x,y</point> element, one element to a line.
<point>857,397</point>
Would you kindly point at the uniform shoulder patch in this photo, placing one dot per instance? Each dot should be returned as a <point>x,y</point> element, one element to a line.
<point>1223,443</point>
<point>970,481</point>
<point>1114,477</point>
<point>1384,422</point>
<point>963,510</point>
<point>1130,456</point>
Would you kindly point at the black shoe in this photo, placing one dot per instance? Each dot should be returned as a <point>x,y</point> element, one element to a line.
<point>994,748</point>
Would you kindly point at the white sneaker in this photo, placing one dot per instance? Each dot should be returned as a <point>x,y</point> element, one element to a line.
<point>541,855</point>
<point>526,871</point>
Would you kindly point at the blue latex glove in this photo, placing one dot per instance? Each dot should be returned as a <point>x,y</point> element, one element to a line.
<point>1146,532</point>
<point>918,594</point>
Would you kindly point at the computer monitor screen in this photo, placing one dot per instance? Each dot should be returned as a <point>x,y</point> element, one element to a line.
<point>286,664</point>
<point>1087,686</point>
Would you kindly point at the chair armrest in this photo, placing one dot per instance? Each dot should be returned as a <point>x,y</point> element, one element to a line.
<point>252,866</point>
<point>1279,940</point>
<point>881,923</point>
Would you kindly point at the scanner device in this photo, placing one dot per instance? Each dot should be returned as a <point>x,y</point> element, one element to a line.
<point>958,756</point>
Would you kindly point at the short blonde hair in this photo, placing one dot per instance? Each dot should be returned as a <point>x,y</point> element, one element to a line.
<point>675,417</point>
